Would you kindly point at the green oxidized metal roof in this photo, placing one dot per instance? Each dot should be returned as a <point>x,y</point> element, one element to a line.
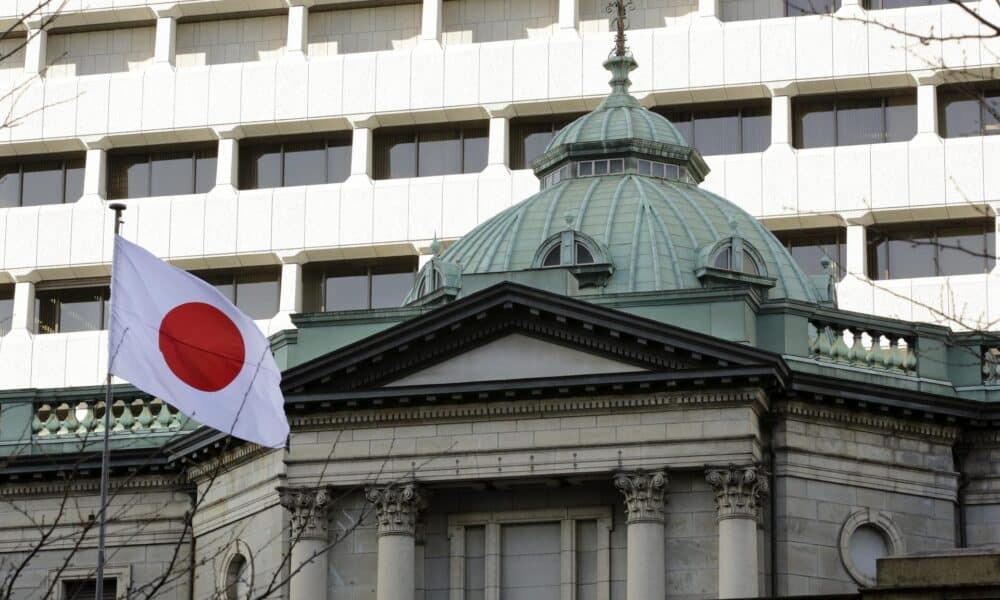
<point>652,229</point>
<point>619,116</point>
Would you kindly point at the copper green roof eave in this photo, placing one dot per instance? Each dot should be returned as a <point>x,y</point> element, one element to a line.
<point>642,148</point>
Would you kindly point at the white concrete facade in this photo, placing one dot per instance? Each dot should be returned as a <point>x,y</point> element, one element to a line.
<point>135,74</point>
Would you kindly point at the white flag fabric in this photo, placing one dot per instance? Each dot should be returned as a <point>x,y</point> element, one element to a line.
<point>176,337</point>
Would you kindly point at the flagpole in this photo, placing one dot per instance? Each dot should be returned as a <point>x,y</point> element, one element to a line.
<point>118,208</point>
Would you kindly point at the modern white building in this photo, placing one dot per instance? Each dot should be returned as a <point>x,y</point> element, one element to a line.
<point>279,146</point>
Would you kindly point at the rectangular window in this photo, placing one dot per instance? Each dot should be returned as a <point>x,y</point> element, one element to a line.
<point>530,136</point>
<point>798,8</point>
<point>931,249</point>
<point>38,181</point>
<point>272,163</point>
<point>969,109</point>
<point>171,171</point>
<point>810,246</point>
<point>586,560</point>
<point>884,4</point>
<point>847,120</point>
<point>255,291</point>
<point>723,128</point>
<point>430,150</point>
<point>357,285</point>
<point>6,307</point>
<point>86,589</point>
<point>530,561</point>
<point>63,307</point>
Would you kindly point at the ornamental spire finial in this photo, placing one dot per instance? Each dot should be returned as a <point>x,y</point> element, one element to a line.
<point>617,9</point>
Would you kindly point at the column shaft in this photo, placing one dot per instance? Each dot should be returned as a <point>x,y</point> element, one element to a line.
<point>499,141</point>
<point>290,296</point>
<point>738,570</point>
<point>35,50</point>
<point>309,582</point>
<point>361,155</point>
<point>227,163</point>
<point>708,8</point>
<point>430,20</point>
<point>23,316</point>
<point>396,568</point>
<point>856,251</point>
<point>781,120</point>
<point>95,173</point>
<point>927,110</point>
<point>298,29</point>
<point>165,50</point>
<point>644,500</point>
<point>569,14</point>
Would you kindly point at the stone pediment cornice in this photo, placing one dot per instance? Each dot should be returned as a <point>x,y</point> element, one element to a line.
<point>88,485</point>
<point>546,407</point>
<point>862,418</point>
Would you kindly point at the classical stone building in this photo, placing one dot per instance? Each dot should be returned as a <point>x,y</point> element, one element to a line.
<point>620,388</point>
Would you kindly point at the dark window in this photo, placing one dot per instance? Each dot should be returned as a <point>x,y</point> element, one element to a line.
<point>797,8</point>
<point>846,120</point>
<point>6,307</point>
<point>274,163</point>
<point>882,4</point>
<point>358,285</point>
<point>35,182</point>
<point>723,128</point>
<point>62,308</point>
<point>530,136</point>
<point>169,171</point>
<point>255,291</point>
<point>969,109</point>
<point>810,246</point>
<point>436,150</point>
<point>86,589</point>
<point>931,249</point>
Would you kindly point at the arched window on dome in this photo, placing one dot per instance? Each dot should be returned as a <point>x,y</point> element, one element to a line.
<point>734,254</point>
<point>569,248</point>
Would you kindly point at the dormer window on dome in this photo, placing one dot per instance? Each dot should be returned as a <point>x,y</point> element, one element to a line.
<point>730,261</point>
<point>586,257</point>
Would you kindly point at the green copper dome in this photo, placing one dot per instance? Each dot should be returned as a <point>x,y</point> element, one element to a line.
<point>621,210</point>
<point>619,116</point>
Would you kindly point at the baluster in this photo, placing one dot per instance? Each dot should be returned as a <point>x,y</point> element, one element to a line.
<point>825,342</point>
<point>38,423</point>
<point>144,418</point>
<point>858,351</point>
<point>175,421</point>
<point>67,420</point>
<point>88,418</point>
<point>910,359</point>
<point>156,409</point>
<point>124,420</point>
<point>99,416</point>
<point>840,351</point>
<point>896,355</point>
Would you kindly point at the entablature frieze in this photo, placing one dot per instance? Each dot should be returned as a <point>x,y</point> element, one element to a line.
<point>922,428</point>
<point>520,408</point>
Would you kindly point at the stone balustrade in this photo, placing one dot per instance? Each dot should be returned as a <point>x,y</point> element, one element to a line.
<point>863,346</point>
<point>86,417</point>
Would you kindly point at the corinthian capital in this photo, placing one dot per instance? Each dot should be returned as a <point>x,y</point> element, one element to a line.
<point>738,490</point>
<point>396,507</point>
<point>643,493</point>
<point>309,506</point>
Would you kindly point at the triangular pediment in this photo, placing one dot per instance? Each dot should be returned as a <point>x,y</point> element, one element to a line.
<point>512,357</point>
<point>511,337</point>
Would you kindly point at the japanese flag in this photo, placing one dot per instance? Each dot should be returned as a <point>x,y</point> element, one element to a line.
<point>176,337</point>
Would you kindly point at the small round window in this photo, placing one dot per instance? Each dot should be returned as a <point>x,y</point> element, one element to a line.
<point>867,545</point>
<point>237,578</point>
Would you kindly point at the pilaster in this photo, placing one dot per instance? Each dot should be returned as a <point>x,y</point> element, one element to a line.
<point>856,250</point>
<point>227,170</point>
<point>569,16</point>
<point>95,170</point>
<point>430,21</point>
<point>35,48</point>
<point>297,43</point>
<point>165,47</point>
<point>644,500</point>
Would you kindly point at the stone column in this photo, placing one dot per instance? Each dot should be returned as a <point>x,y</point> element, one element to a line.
<point>781,120</point>
<point>430,21</point>
<point>739,491</point>
<point>227,162</point>
<point>396,509</point>
<point>927,109</point>
<point>644,500</point>
<point>165,47</point>
<point>290,291</point>
<point>35,48</point>
<point>856,251</point>
<point>95,170</point>
<point>569,15</point>
<point>23,315</point>
<point>297,43</point>
<point>309,539</point>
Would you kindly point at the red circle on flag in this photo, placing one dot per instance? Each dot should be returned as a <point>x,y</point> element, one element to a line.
<point>202,346</point>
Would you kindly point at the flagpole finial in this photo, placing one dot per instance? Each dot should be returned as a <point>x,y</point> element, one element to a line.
<point>619,19</point>
<point>118,208</point>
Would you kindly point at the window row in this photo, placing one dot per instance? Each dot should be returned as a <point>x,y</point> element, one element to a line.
<point>902,251</point>
<point>745,11</point>
<point>64,307</point>
<point>967,109</point>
